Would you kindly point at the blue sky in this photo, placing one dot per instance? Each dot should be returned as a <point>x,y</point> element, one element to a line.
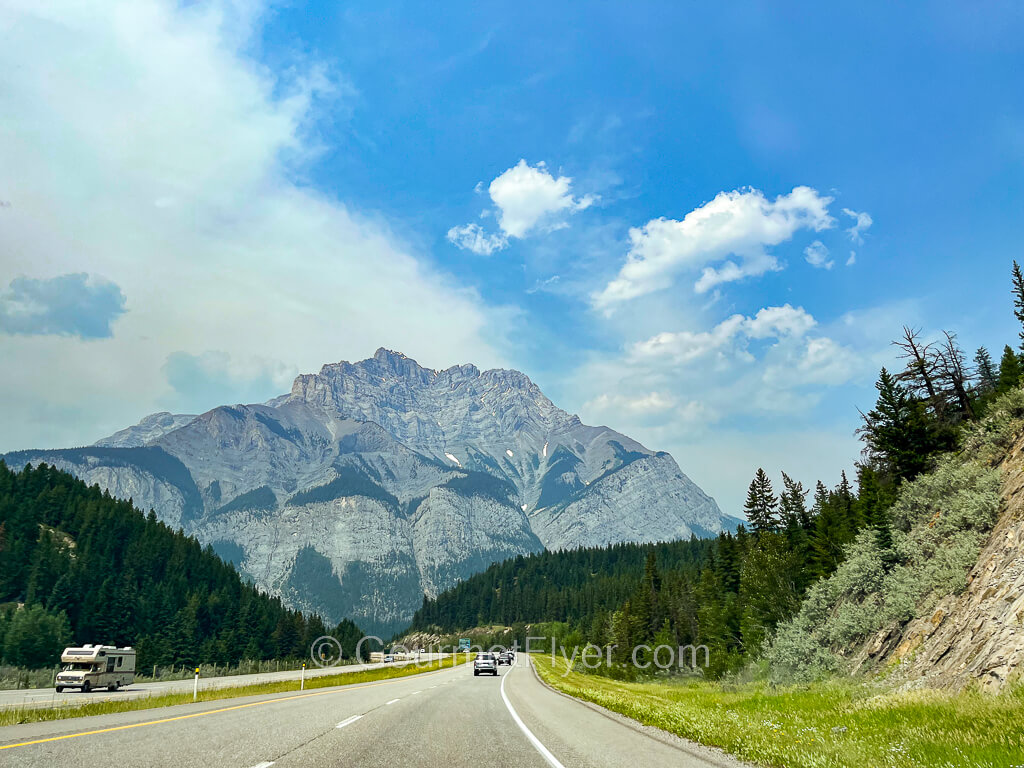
<point>221,195</point>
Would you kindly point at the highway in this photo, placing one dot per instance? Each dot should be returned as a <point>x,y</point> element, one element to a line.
<point>48,697</point>
<point>442,718</point>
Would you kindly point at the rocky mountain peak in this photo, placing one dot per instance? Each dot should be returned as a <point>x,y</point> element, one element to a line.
<point>375,482</point>
<point>438,413</point>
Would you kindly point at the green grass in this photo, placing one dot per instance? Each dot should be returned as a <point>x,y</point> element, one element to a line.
<point>17,715</point>
<point>836,724</point>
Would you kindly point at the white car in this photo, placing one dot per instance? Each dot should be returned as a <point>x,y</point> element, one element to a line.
<point>485,663</point>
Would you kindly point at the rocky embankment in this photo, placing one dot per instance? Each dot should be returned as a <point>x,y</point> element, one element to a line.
<point>977,637</point>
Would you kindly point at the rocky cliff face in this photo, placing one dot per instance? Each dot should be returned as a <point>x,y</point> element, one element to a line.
<point>374,483</point>
<point>977,636</point>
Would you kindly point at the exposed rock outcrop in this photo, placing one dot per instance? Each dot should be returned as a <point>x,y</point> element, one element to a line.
<point>976,637</point>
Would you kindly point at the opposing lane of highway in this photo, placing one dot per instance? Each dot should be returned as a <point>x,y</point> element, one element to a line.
<point>445,718</point>
<point>48,697</point>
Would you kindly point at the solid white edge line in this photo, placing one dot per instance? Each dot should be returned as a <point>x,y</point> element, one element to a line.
<point>262,765</point>
<point>392,702</point>
<point>349,721</point>
<point>544,751</point>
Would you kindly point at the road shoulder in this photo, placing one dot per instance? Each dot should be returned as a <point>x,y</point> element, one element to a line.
<point>692,752</point>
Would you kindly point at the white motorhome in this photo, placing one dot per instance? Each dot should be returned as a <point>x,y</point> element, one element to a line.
<point>96,666</point>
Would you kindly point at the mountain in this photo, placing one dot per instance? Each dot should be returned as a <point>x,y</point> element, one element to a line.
<point>150,428</point>
<point>372,484</point>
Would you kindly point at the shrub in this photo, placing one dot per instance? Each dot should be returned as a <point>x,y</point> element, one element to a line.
<point>940,522</point>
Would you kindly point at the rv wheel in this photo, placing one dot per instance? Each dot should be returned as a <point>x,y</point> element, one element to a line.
<point>112,687</point>
<point>86,686</point>
<point>60,689</point>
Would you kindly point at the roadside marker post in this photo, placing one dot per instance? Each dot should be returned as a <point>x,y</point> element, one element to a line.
<point>195,688</point>
<point>302,680</point>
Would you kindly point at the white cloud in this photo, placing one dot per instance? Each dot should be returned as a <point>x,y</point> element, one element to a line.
<point>526,199</point>
<point>771,362</point>
<point>817,361</point>
<point>545,284</point>
<point>779,321</point>
<point>740,224</point>
<point>816,255</point>
<point>529,196</point>
<point>686,346</point>
<point>775,388</point>
<point>852,260</point>
<point>861,223</point>
<point>141,143</point>
<point>472,237</point>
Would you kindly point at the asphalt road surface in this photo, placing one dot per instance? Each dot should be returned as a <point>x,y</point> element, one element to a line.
<point>444,718</point>
<point>48,697</point>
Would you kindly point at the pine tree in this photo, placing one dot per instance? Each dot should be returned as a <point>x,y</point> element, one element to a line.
<point>761,504</point>
<point>645,602</point>
<point>793,502</point>
<point>985,369</point>
<point>1018,299</point>
<point>897,432</point>
<point>34,638</point>
<point>874,498</point>
<point>1009,370</point>
<point>768,592</point>
<point>831,532</point>
<point>847,509</point>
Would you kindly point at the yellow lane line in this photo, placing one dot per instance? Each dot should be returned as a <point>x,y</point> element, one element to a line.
<point>339,689</point>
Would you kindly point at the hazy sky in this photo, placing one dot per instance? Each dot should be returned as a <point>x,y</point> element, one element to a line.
<point>699,225</point>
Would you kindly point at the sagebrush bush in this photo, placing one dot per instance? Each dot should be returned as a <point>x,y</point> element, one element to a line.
<point>939,525</point>
<point>989,439</point>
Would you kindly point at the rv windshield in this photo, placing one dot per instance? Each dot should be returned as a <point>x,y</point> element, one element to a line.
<point>77,666</point>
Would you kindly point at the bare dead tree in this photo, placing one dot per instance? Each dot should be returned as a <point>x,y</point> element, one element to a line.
<point>954,374</point>
<point>921,367</point>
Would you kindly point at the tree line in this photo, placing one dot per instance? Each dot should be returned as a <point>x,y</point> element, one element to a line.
<point>730,594</point>
<point>564,586</point>
<point>79,566</point>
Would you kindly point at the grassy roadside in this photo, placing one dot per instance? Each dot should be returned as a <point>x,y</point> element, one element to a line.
<point>17,715</point>
<point>839,725</point>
